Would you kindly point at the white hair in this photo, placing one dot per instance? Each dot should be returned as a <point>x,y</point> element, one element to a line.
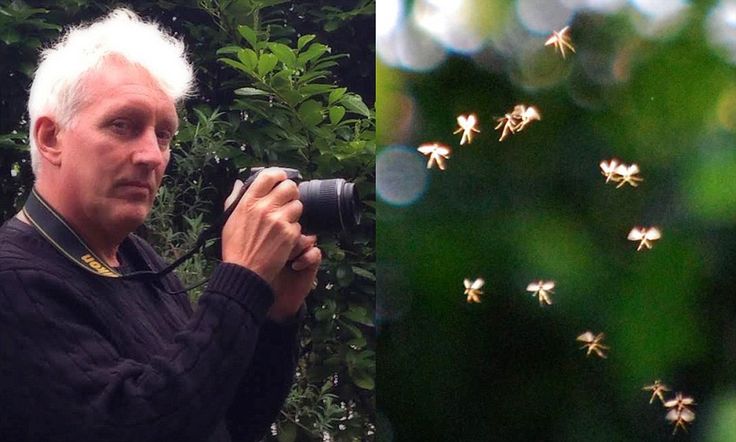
<point>57,88</point>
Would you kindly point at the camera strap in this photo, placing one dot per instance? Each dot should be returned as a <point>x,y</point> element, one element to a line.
<point>55,229</point>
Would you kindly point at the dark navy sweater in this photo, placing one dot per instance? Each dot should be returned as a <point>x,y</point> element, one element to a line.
<point>89,358</point>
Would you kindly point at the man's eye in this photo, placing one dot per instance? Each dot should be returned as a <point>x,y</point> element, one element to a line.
<point>164,135</point>
<point>121,126</point>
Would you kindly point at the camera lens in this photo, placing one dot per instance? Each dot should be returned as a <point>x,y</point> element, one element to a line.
<point>329,205</point>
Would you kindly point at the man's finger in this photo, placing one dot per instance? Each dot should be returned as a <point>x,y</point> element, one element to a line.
<point>301,246</point>
<point>234,194</point>
<point>309,259</point>
<point>265,181</point>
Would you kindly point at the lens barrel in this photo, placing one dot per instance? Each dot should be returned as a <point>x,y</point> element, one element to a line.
<point>329,205</point>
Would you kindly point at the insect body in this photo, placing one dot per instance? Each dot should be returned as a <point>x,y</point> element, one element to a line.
<point>657,389</point>
<point>645,236</point>
<point>593,343</point>
<point>473,289</point>
<point>560,40</point>
<point>437,154</point>
<point>542,290</point>
<point>467,127</point>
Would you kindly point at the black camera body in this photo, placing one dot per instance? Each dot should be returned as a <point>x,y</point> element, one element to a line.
<point>329,206</point>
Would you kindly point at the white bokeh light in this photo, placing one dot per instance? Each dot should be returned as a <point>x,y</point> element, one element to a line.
<point>410,48</point>
<point>660,18</point>
<point>451,23</point>
<point>401,175</point>
<point>602,6</point>
<point>543,16</point>
<point>721,28</point>
<point>388,16</point>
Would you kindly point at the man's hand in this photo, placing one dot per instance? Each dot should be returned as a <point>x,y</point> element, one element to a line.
<point>263,234</point>
<point>295,280</point>
<point>263,230</point>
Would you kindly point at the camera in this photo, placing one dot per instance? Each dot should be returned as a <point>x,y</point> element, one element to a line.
<point>328,205</point>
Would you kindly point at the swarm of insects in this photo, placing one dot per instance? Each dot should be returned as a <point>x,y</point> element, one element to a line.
<point>467,127</point>
<point>645,236</point>
<point>542,290</point>
<point>473,289</point>
<point>621,173</point>
<point>437,154</point>
<point>593,343</point>
<point>560,40</point>
<point>657,389</point>
<point>680,412</point>
<point>516,120</point>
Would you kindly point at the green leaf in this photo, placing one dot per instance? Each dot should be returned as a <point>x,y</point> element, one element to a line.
<point>249,35</point>
<point>314,89</point>
<point>314,51</point>
<point>228,50</point>
<point>336,114</point>
<point>266,64</point>
<point>355,104</point>
<point>358,314</point>
<point>248,57</point>
<point>250,91</point>
<point>284,54</point>
<point>344,275</point>
<point>336,95</point>
<point>310,112</point>
<point>303,40</point>
<point>364,273</point>
<point>236,64</point>
<point>362,379</point>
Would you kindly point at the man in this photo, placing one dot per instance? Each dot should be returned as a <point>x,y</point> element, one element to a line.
<point>89,356</point>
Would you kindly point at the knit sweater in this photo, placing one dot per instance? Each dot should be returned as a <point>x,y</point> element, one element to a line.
<point>89,358</point>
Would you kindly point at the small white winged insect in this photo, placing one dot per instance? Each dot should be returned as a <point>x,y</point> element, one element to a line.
<point>509,123</point>
<point>593,343</point>
<point>473,289</point>
<point>437,154</point>
<point>541,289</point>
<point>527,115</point>
<point>645,236</point>
<point>560,40</point>
<point>608,169</point>
<point>628,174</point>
<point>467,127</point>
<point>679,412</point>
<point>679,402</point>
<point>680,418</point>
<point>657,389</point>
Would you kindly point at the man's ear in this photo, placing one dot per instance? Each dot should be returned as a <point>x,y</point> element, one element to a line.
<point>47,140</point>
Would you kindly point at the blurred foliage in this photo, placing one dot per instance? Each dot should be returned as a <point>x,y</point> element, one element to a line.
<point>278,83</point>
<point>535,206</point>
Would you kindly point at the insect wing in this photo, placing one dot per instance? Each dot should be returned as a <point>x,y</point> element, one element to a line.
<point>653,233</point>
<point>477,284</point>
<point>687,415</point>
<point>635,234</point>
<point>441,150</point>
<point>534,286</point>
<point>585,337</point>
<point>426,149</point>
<point>633,169</point>
<point>672,415</point>
<point>551,41</point>
<point>548,286</point>
<point>467,283</point>
<point>532,113</point>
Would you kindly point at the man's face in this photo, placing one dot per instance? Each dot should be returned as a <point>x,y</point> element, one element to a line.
<point>116,148</point>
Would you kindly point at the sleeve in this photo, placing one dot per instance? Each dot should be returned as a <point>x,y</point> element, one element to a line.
<point>267,381</point>
<point>61,379</point>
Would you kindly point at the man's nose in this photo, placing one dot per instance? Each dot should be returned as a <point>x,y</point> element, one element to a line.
<point>148,151</point>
